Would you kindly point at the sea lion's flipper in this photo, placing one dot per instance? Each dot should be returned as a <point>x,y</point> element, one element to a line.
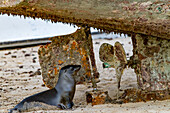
<point>61,106</point>
<point>70,105</point>
<point>14,109</point>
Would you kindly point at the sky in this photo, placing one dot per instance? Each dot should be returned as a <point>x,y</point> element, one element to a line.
<point>14,28</point>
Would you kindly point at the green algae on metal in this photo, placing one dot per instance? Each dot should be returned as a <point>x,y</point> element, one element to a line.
<point>152,58</point>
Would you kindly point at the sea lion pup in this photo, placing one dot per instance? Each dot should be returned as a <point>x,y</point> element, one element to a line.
<point>60,96</point>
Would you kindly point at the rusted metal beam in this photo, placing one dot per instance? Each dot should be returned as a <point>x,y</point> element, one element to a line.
<point>149,18</point>
<point>97,97</point>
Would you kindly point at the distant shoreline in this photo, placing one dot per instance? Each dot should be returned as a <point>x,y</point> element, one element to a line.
<point>42,41</point>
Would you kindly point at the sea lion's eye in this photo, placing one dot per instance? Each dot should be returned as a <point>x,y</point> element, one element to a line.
<point>72,68</point>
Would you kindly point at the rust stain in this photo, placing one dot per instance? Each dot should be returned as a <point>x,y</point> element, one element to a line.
<point>82,51</point>
<point>60,62</point>
<point>56,71</point>
<point>141,57</point>
<point>74,45</point>
<point>98,100</point>
<point>88,73</point>
<point>97,97</point>
<point>84,58</point>
<point>65,48</point>
<point>47,85</point>
<point>149,51</point>
<point>59,67</point>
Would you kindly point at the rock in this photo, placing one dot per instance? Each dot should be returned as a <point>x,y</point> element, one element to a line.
<point>15,51</point>
<point>43,85</point>
<point>24,51</point>
<point>30,72</point>
<point>8,53</point>
<point>34,61</point>
<point>27,55</point>
<point>21,66</point>
<point>13,56</point>
<point>35,58</point>
<point>97,43</point>
<point>38,72</point>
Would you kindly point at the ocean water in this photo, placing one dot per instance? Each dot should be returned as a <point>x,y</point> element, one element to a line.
<point>14,28</point>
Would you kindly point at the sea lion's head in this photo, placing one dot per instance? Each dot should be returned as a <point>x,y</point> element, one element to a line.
<point>70,69</point>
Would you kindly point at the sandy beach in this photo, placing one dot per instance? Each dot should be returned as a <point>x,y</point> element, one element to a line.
<point>20,77</point>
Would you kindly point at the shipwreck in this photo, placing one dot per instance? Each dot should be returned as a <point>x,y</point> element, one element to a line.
<point>147,22</point>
